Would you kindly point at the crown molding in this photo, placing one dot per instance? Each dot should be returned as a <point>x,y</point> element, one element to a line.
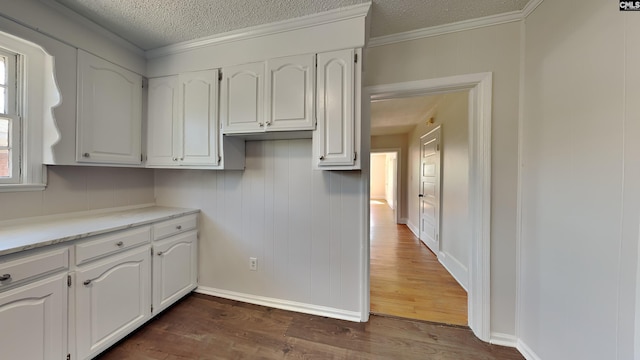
<point>327,17</point>
<point>464,25</point>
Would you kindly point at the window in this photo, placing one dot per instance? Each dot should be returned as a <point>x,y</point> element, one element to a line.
<point>10,141</point>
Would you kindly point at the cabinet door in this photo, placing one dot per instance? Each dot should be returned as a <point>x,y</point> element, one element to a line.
<point>113,297</point>
<point>290,93</point>
<point>198,118</point>
<point>174,268</point>
<point>109,112</point>
<point>162,121</point>
<point>34,320</point>
<point>242,105</point>
<point>334,139</point>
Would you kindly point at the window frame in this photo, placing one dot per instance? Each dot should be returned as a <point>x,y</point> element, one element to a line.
<point>12,113</point>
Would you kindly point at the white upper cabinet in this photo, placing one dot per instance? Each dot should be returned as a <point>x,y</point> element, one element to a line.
<point>290,93</point>
<point>334,140</point>
<point>198,118</point>
<point>109,118</point>
<point>162,120</point>
<point>242,100</point>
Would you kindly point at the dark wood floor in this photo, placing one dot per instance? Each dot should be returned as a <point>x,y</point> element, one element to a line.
<point>407,280</point>
<point>205,327</point>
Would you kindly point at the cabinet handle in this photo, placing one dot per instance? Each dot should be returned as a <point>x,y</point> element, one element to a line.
<point>268,123</point>
<point>175,159</point>
<point>260,124</point>
<point>179,227</point>
<point>322,157</point>
<point>119,243</point>
<point>5,277</point>
<point>86,155</point>
<point>87,282</point>
<point>181,159</point>
<point>160,253</point>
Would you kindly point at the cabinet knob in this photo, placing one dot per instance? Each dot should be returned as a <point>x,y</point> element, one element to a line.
<point>160,253</point>
<point>322,157</point>
<point>5,277</point>
<point>268,123</point>
<point>86,155</point>
<point>179,227</point>
<point>175,159</point>
<point>87,282</point>
<point>260,124</point>
<point>119,243</point>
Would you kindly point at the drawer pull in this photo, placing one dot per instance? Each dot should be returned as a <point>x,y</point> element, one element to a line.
<point>87,282</point>
<point>160,253</point>
<point>119,243</point>
<point>179,227</point>
<point>5,277</point>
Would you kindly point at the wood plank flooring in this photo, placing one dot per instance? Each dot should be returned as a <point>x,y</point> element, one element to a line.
<point>205,327</point>
<point>406,278</point>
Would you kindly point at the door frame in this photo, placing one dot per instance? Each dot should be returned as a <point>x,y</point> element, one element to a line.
<point>398,176</point>
<point>479,86</point>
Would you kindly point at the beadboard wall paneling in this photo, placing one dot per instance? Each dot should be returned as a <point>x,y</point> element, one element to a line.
<point>301,225</point>
<point>77,188</point>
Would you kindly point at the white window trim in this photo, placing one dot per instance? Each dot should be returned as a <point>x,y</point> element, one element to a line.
<point>12,113</point>
<point>37,97</point>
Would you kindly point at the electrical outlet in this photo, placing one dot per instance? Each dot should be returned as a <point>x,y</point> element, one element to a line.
<point>253,264</point>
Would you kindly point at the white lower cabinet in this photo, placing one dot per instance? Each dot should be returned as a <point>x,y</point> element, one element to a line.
<point>112,298</point>
<point>175,273</point>
<point>34,320</point>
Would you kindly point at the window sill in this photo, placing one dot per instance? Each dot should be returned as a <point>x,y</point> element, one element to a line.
<point>22,187</point>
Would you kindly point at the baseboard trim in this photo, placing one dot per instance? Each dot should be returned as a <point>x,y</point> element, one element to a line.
<point>455,268</point>
<point>503,340</point>
<point>334,313</point>
<point>413,229</point>
<point>526,351</point>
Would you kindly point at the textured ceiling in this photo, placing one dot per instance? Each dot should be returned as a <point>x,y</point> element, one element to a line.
<point>399,116</point>
<point>150,24</point>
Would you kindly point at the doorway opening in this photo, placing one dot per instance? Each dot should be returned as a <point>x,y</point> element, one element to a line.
<point>478,88</point>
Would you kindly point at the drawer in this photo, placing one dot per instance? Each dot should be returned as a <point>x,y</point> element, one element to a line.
<point>20,268</point>
<point>108,244</point>
<point>175,226</point>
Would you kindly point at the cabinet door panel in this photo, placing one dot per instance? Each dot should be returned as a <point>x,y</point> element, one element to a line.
<point>109,112</point>
<point>112,299</point>
<point>242,98</point>
<point>34,317</point>
<point>198,118</point>
<point>174,269</point>
<point>290,93</point>
<point>334,138</point>
<point>162,115</point>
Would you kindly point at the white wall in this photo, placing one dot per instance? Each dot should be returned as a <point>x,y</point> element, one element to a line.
<point>490,49</point>
<point>76,188</point>
<point>390,191</point>
<point>301,224</point>
<point>396,141</point>
<point>580,176</point>
<point>378,176</point>
<point>452,113</point>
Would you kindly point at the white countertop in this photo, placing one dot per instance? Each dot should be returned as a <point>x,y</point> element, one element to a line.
<point>36,232</point>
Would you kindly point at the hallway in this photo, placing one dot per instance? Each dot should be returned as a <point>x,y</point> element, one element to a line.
<point>406,278</point>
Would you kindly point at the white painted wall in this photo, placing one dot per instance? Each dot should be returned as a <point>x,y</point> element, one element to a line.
<point>391,172</point>
<point>302,225</point>
<point>452,113</point>
<point>580,176</point>
<point>76,188</point>
<point>378,176</point>
<point>490,49</point>
<point>396,141</point>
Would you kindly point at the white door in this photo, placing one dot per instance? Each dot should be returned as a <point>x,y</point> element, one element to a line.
<point>429,196</point>
<point>334,138</point>
<point>34,320</point>
<point>109,112</point>
<point>198,118</point>
<point>242,98</point>
<point>174,269</point>
<point>161,120</point>
<point>113,297</point>
<point>290,93</point>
